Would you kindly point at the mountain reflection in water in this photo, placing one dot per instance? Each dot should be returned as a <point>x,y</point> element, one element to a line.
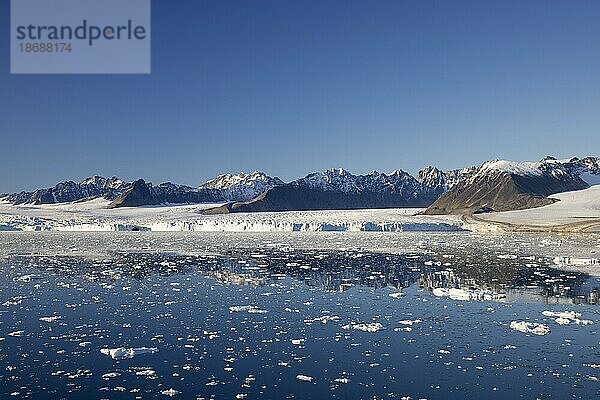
<point>466,276</point>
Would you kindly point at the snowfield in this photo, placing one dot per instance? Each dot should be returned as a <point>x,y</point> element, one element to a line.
<point>577,210</point>
<point>577,207</point>
<point>94,216</point>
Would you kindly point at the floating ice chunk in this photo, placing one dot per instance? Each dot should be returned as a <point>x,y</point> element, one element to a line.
<point>396,295</point>
<point>409,322</point>
<point>530,327</point>
<point>110,375</point>
<point>170,392</point>
<point>342,380</point>
<point>50,319</point>
<point>211,335</point>
<point>323,319</point>
<point>16,333</point>
<point>468,294</point>
<point>592,365</point>
<point>567,317</point>
<point>371,327</point>
<point>26,278</point>
<point>459,294</point>
<point>304,378</point>
<point>147,373</point>
<point>248,309</point>
<point>564,314</point>
<point>298,342</point>
<point>123,353</point>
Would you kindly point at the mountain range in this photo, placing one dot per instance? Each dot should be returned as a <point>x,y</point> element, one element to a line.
<point>496,185</point>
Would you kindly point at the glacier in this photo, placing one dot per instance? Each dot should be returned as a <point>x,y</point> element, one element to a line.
<point>94,215</point>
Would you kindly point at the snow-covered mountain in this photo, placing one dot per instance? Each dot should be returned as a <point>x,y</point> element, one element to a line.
<point>439,181</point>
<point>495,185</point>
<point>338,179</point>
<point>502,185</point>
<point>140,193</point>
<point>242,186</point>
<point>95,186</point>
<point>337,188</point>
<point>224,188</point>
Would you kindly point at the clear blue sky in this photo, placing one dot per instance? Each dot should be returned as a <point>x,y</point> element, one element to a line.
<point>290,87</point>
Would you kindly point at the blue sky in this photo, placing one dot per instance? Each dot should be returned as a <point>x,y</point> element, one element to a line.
<point>291,87</point>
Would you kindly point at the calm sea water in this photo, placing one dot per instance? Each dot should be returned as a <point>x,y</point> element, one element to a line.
<point>306,316</point>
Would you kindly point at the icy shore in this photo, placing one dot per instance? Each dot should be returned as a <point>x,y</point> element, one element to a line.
<point>94,216</point>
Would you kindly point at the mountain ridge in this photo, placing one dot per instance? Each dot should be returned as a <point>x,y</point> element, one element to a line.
<point>497,185</point>
<point>500,185</point>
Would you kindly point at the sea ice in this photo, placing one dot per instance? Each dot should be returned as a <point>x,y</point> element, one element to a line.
<point>567,317</point>
<point>121,353</point>
<point>170,392</point>
<point>409,322</point>
<point>304,378</point>
<point>50,319</point>
<point>342,380</point>
<point>323,319</point>
<point>248,309</point>
<point>530,327</point>
<point>370,327</point>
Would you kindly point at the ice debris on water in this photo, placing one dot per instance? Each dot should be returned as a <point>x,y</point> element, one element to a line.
<point>396,295</point>
<point>248,309</point>
<point>409,322</point>
<point>567,317</point>
<point>50,319</point>
<point>467,295</point>
<point>121,353</point>
<point>530,327</point>
<point>170,392</point>
<point>304,378</point>
<point>110,375</point>
<point>323,319</point>
<point>370,327</point>
<point>342,380</point>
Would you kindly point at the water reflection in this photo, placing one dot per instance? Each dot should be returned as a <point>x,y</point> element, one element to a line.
<point>466,276</point>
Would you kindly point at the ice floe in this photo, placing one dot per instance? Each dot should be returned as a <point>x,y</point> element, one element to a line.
<point>121,353</point>
<point>530,327</point>
<point>323,319</point>
<point>567,317</point>
<point>365,327</point>
<point>304,378</point>
<point>248,309</point>
<point>50,319</point>
<point>170,392</point>
<point>467,294</point>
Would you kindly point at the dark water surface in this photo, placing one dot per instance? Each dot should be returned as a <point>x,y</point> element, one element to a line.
<point>310,316</point>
